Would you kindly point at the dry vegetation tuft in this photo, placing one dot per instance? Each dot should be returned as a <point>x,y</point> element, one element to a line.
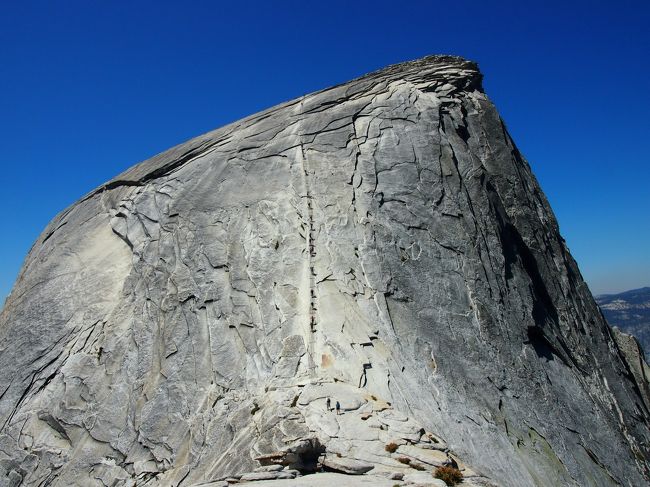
<point>450,475</point>
<point>391,447</point>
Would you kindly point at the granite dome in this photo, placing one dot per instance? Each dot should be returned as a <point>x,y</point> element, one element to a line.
<point>381,243</point>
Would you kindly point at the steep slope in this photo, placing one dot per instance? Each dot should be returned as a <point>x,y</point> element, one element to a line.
<point>630,311</point>
<point>381,243</point>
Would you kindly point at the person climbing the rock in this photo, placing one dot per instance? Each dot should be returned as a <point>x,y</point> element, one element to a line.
<point>450,462</point>
<point>338,408</point>
<point>329,404</point>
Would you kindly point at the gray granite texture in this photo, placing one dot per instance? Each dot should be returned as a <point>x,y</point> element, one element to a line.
<point>381,243</point>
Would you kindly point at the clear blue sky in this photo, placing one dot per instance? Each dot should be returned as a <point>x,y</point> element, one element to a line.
<point>88,88</point>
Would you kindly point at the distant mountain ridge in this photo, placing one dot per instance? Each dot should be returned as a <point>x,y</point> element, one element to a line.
<point>630,311</point>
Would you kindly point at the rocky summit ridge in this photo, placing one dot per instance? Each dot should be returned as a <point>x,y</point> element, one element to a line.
<point>381,244</point>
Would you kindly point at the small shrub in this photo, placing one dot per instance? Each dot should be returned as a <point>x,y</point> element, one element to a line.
<point>404,460</point>
<point>417,466</point>
<point>391,447</point>
<point>449,475</point>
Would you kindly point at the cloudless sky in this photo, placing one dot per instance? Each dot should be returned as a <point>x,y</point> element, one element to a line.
<point>88,88</point>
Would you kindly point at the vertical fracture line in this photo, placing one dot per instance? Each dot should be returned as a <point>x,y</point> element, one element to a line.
<point>312,321</point>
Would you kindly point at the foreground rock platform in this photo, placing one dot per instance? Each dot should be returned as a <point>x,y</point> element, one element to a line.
<point>381,243</point>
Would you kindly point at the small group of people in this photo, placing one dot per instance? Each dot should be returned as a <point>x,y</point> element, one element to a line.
<point>337,406</point>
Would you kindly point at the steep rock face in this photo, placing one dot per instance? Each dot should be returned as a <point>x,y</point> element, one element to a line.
<point>382,243</point>
<point>633,355</point>
<point>630,311</point>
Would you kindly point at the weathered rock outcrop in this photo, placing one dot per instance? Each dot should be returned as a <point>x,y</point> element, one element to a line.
<point>381,243</point>
<point>629,311</point>
<point>633,354</point>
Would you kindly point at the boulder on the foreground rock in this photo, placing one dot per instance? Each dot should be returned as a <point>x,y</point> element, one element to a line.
<point>346,465</point>
<point>327,479</point>
<point>269,468</point>
<point>274,475</point>
<point>423,479</point>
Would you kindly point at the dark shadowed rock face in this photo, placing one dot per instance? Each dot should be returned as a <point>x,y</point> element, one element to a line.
<point>381,243</point>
